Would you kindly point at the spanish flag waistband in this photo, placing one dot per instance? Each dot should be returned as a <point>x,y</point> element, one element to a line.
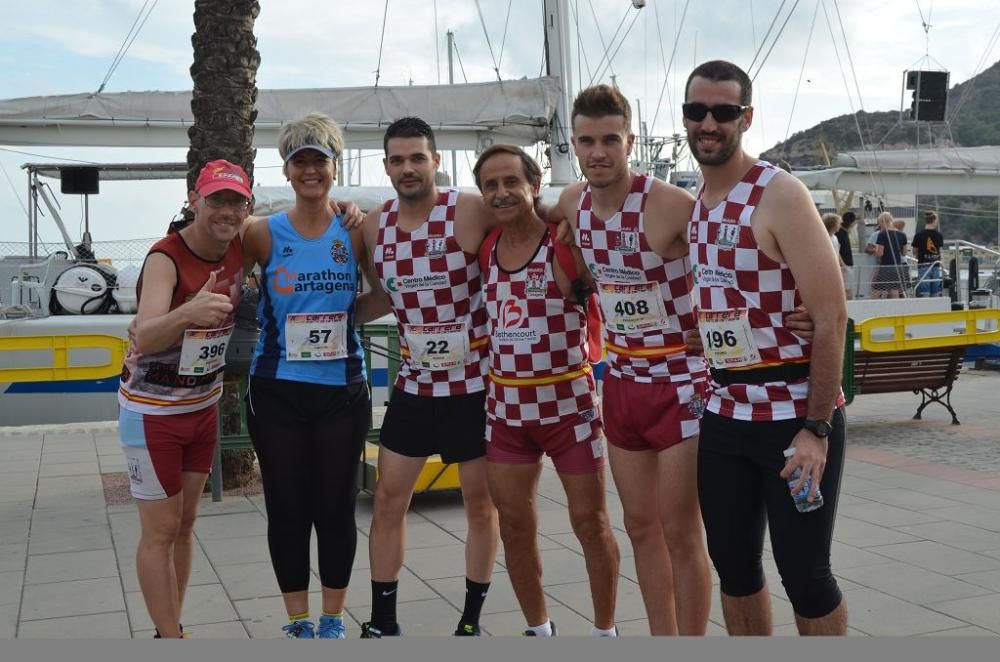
<point>770,364</point>
<point>541,381</point>
<point>478,343</point>
<point>665,350</point>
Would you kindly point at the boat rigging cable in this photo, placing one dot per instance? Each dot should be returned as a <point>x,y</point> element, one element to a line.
<point>605,47</point>
<point>673,53</point>
<point>798,85</point>
<point>774,43</point>
<point>926,23</point>
<point>757,96</point>
<point>503,42</point>
<point>489,44</point>
<point>766,35</point>
<point>437,43</point>
<point>876,186</point>
<point>581,53</point>
<point>381,42</point>
<point>609,57</point>
<point>967,91</point>
<point>133,32</point>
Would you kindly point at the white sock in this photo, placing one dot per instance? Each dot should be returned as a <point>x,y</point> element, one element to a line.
<point>543,630</point>
<point>598,632</point>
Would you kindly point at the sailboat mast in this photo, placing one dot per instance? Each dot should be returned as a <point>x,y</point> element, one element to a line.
<point>451,81</point>
<point>557,57</point>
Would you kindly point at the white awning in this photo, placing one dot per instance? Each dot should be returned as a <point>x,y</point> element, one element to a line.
<point>466,116</point>
<point>927,171</point>
<point>117,172</point>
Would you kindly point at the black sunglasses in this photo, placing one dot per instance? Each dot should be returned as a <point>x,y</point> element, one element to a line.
<point>724,112</point>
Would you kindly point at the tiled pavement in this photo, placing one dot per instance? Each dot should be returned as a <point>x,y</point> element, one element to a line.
<point>917,545</point>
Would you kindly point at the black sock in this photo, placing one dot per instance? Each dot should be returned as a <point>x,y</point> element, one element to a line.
<point>475,596</point>
<point>384,605</point>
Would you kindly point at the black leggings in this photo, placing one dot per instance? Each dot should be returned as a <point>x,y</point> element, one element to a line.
<point>741,492</point>
<point>309,439</point>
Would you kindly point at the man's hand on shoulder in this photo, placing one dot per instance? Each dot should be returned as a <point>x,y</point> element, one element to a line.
<point>350,213</point>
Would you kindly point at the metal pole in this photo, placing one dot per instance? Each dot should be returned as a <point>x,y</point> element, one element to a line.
<point>86,222</point>
<point>451,81</point>
<point>641,152</point>
<point>217,473</point>
<point>557,57</point>
<point>32,251</point>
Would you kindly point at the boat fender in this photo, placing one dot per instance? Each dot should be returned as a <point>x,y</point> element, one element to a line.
<point>83,289</point>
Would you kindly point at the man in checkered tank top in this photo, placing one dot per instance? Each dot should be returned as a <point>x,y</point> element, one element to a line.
<point>759,249</point>
<point>542,397</point>
<point>424,245</point>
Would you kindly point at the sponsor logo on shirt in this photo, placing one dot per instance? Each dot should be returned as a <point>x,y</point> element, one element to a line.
<point>512,325</point>
<point>708,276</point>
<point>610,274</point>
<point>416,283</point>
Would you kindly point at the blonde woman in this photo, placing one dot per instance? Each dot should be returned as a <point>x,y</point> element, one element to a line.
<point>889,246</point>
<point>308,407</point>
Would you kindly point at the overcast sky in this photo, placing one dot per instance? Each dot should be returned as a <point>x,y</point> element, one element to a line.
<point>65,46</point>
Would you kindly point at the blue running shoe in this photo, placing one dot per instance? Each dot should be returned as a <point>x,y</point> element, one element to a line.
<point>299,630</point>
<point>331,627</point>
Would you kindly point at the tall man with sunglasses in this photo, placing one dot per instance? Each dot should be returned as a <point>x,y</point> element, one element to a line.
<point>632,231</point>
<point>758,250</point>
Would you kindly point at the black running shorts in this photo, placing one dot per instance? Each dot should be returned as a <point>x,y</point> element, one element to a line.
<point>452,426</point>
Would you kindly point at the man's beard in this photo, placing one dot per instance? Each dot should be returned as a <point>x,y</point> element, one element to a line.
<point>727,148</point>
<point>422,191</point>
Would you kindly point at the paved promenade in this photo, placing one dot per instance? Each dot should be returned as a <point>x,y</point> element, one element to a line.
<point>917,544</point>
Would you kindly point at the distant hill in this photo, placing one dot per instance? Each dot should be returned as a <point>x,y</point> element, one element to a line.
<point>977,123</point>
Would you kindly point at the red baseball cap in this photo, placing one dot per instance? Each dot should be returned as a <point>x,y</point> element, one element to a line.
<point>222,175</point>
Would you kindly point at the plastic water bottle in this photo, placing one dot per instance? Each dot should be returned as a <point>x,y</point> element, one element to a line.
<point>800,497</point>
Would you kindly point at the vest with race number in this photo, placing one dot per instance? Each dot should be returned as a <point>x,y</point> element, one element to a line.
<point>436,293</point>
<point>645,299</point>
<point>743,296</point>
<point>306,308</point>
<point>187,376</point>
<point>538,369</point>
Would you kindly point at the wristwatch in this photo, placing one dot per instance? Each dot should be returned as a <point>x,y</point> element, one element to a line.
<point>818,427</point>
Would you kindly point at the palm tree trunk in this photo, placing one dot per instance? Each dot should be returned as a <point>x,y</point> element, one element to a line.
<point>224,73</point>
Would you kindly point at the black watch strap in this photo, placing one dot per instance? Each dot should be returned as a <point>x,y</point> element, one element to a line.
<point>818,427</point>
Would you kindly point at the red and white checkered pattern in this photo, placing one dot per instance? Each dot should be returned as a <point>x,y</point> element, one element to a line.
<point>398,254</point>
<point>559,330</point>
<point>599,241</point>
<point>722,238</point>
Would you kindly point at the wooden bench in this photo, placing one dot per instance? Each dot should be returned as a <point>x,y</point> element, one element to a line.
<point>929,372</point>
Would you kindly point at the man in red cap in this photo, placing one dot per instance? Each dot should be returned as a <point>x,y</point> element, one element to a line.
<point>168,423</point>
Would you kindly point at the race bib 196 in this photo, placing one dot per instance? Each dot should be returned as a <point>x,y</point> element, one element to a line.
<point>727,338</point>
<point>632,307</point>
<point>316,336</point>
<point>437,346</point>
<point>203,351</point>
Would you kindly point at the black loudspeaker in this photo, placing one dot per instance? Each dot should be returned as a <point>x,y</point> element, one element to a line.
<point>930,95</point>
<point>80,181</point>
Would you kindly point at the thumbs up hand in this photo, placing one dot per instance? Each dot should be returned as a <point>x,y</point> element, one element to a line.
<point>206,308</point>
<point>209,285</point>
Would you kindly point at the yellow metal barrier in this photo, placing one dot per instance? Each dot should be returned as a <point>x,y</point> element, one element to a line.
<point>60,368</point>
<point>436,475</point>
<point>971,334</point>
